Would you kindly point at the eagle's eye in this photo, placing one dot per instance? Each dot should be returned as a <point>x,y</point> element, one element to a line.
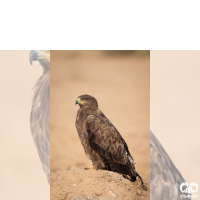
<point>85,99</point>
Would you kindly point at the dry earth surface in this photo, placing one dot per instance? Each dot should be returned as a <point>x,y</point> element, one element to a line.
<point>81,184</point>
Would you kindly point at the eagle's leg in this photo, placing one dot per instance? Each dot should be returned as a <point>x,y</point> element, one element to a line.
<point>106,164</point>
<point>97,163</point>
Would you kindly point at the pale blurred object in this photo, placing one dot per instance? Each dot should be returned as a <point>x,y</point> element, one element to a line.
<point>22,177</point>
<point>40,112</point>
<point>165,179</point>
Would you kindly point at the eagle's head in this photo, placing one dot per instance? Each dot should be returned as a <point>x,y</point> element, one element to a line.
<point>43,57</point>
<point>86,100</point>
<point>38,55</point>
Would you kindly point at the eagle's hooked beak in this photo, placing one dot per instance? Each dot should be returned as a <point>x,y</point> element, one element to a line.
<point>76,102</point>
<point>79,101</point>
<point>38,55</point>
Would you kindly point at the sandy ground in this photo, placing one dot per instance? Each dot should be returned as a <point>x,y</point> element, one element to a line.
<point>122,87</point>
<point>175,108</point>
<point>80,184</point>
<point>21,173</point>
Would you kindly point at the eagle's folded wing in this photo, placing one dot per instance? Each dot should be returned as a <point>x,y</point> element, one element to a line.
<point>106,140</point>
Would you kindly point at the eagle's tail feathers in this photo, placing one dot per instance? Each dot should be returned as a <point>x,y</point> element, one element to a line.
<point>133,179</point>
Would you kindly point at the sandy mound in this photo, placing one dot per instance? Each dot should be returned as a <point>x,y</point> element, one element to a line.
<point>80,184</point>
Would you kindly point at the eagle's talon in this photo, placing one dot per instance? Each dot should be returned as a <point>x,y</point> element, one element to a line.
<point>90,168</point>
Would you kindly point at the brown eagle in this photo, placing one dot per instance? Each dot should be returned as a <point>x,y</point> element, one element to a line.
<point>101,141</point>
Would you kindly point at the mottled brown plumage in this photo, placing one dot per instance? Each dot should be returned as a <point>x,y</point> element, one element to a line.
<point>101,141</point>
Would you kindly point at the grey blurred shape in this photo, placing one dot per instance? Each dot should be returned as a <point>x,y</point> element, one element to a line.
<point>165,179</point>
<point>40,112</point>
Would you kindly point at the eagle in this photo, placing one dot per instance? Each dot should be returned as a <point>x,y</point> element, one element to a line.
<point>165,179</point>
<point>101,141</point>
<point>40,112</point>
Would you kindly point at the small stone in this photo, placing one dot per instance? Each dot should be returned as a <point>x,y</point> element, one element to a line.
<point>112,194</point>
<point>73,168</point>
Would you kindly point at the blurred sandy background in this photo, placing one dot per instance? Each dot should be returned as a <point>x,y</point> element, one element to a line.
<point>120,83</point>
<point>175,108</point>
<point>21,173</point>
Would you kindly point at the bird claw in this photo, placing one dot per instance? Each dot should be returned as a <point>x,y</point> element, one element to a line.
<point>90,168</point>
